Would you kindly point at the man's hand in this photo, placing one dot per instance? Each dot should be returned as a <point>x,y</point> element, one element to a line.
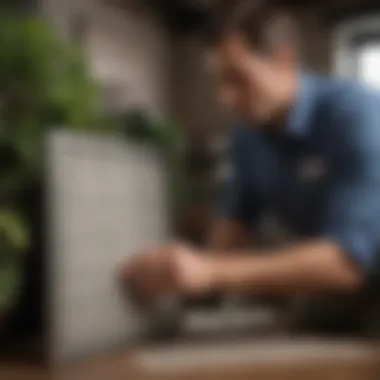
<point>313,267</point>
<point>172,269</point>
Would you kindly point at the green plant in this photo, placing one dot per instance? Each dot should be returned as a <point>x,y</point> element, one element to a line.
<point>14,241</point>
<point>44,84</point>
<point>140,126</point>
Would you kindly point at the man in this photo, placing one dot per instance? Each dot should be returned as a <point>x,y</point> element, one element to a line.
<point>304,147</point>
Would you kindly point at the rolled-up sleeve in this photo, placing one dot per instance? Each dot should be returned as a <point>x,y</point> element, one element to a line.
<point>238,201</point>
<point>350,214</point>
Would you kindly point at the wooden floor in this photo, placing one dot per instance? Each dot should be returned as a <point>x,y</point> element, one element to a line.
<point>270,360</point>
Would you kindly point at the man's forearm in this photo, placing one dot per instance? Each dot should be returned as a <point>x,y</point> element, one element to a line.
<point>311,267</point>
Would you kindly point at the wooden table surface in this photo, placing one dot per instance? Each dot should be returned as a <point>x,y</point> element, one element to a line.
<point>269,360</point>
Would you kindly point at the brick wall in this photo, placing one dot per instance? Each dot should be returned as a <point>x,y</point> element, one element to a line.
<point>128,49</point>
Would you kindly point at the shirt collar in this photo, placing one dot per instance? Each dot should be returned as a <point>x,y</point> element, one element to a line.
<point>299,119</point>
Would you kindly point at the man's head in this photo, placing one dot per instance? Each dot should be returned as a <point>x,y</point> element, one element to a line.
<point>253,52</point>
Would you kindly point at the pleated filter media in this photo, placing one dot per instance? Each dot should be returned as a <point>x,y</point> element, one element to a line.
<point>106,199</point>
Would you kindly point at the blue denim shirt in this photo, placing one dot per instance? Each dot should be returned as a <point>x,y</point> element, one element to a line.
<point>321,174</point>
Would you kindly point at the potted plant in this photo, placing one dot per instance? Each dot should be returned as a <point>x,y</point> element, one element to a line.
<point>44,84</point>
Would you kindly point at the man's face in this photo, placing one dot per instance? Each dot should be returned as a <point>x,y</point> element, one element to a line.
<point>250,84</point>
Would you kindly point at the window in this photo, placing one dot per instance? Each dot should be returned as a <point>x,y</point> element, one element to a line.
<point>357,50</point>
<point>368,67</point>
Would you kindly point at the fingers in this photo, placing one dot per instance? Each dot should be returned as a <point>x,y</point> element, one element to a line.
<point>155,271</point>
<point>145,274</point>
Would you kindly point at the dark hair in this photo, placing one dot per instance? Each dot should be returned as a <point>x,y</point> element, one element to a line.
<point>264,25</point>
